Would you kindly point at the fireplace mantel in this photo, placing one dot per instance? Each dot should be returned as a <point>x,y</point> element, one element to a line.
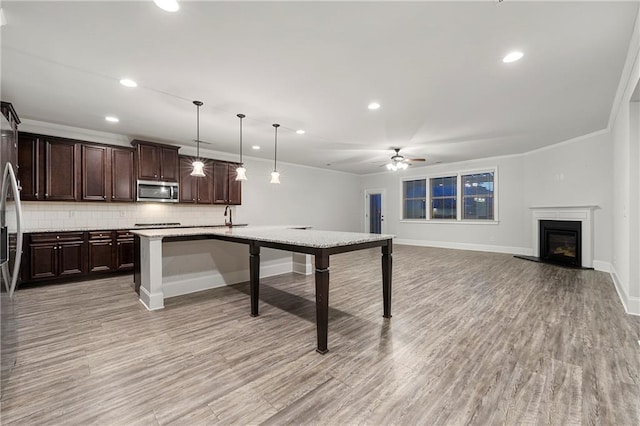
<point>582,214</point>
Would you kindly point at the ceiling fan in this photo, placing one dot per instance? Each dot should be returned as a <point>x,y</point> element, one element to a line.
<point>398,162</point>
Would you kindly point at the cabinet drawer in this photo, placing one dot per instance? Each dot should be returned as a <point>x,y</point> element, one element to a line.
<point>124,235</point>
<point>100,235</point>
<point>57,236</point>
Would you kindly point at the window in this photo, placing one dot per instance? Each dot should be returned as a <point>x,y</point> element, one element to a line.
<point>470,196</point>
<point>415,199</point>
<point>443,197</point>
<point>478,196</point>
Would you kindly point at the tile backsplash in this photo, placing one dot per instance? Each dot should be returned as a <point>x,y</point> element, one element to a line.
<point>56,216</point>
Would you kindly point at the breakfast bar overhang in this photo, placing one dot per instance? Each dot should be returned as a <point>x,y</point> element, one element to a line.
<point>320,244</point>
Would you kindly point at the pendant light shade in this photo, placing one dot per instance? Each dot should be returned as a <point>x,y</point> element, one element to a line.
<point>198,165</point>
<point>241,172</point>
<point>275,176</point>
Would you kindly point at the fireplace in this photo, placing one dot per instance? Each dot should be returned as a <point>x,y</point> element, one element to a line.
<point>561,242</point>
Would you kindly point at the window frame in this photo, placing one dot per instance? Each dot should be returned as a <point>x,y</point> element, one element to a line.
<point>459,196</point>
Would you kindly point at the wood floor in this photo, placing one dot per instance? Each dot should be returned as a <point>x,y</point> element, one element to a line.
<point>475,338</point>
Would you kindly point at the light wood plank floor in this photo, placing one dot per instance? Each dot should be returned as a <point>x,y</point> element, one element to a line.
<point>475,338</point>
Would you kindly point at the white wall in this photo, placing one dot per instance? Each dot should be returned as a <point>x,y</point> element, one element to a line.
<point>625,130</point>
<point>506,235</point>
<point>560,175</point>
<point>574,173</point>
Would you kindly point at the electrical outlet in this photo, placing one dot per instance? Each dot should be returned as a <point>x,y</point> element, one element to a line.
<point>72,213</point>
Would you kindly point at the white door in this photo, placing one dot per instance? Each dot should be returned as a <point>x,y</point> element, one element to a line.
<point>374,211</point>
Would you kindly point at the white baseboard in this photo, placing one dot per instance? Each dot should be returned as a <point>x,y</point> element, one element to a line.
<point>522,251</point>
<point>601,265</point>
<point>214,279</point>
<point>631,304</point>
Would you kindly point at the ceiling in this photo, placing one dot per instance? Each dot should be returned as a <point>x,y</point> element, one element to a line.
<point>435,67</point>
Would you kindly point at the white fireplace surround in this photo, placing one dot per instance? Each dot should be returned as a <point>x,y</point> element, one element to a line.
<point>583,214</point>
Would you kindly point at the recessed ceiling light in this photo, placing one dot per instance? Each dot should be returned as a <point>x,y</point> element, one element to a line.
<point>300,132</point>
<point>512,57</point>
<point>256,147</point>
<point>168,5</point>
<point>373,105</point>
<point>111,119</point>
<point>127,82</point>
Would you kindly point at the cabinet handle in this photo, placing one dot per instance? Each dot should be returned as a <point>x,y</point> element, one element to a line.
<point>155,176</point>
<point>46,195</point>
<point>58,236</point>
<point>113,197</point>
<point>110,244</point>
<point>104,197</point>
<point>118,244</point>
<point>36,194</point>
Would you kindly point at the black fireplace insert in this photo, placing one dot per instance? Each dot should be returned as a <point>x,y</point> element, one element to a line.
<point>561,242</point>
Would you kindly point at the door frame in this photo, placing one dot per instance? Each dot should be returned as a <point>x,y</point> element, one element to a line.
<point>383,195</point>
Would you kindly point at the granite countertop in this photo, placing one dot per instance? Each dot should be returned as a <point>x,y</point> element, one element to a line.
<point>295,235</point>
<point>93,228</point>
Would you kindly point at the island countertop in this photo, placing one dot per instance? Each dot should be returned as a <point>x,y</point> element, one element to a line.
<point>294,235</point>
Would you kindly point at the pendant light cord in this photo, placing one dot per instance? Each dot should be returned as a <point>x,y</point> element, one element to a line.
<point>241,116</point>
<point>275,152</point>
<point>198,104</point>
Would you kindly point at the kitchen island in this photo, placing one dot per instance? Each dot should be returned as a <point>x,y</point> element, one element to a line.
<point>320,244</point>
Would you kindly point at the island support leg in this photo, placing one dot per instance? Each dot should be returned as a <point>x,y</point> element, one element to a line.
<point>254,277</point>
<point>322,301</point>
<point>386,278</point>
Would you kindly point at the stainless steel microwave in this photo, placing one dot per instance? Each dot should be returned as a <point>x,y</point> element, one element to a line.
<point>164,192</point>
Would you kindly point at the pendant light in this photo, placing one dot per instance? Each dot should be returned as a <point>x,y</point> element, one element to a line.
<point>241,172</point>
<point>275,176</point>
<point>198,165</point>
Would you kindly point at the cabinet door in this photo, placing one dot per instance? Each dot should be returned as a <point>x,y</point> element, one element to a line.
<point>94,173</point>
<point>122,180</point>
<point>124,255</point>
<point>235,186</point>
<point>220,183</point>
<point>205,184</point>
<point>188,183</point>
<point>43,261</point>
<point>70,258</point>
<point>148,162</point>
<point>169,164</point>
<point>31,168</point>
<point>61,180</point>
<point>100,255</point>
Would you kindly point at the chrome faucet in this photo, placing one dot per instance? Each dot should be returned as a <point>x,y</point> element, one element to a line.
<point>230,222</point>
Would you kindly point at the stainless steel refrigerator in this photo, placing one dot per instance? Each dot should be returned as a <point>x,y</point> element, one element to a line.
<point>11,222</point>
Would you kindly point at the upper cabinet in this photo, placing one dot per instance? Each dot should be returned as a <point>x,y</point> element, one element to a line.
<point>156,161</point>
<point>57,169</point>
<point>9,144</point>
<point>48,168</point>
<point>61,170</point>
<point>107,173</point>
<point>226,189</point>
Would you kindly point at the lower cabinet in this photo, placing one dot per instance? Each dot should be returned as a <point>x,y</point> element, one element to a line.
<point>58,255</point>
<point>53,255</point>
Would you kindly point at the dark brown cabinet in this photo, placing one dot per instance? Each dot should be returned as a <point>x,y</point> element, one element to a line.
<point>197,190</point>
<point>48,168</point>
<point>156,161</point>
<point>54,255</point>
<point>61,170</point>
<point>9,144</point>
<point>100,251</point>
<point>122,174</point>
<point>124,251</point>
<point>107,173</point>
<point>226,189</point>
<point>94,173</point>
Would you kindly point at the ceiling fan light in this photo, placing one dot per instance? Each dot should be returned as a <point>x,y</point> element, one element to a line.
<point>167,5</point>
<point>198,169</point>
<point>403,166</point>
<point>275,177</point>
<point>241,173</point>
<point>389,166</point>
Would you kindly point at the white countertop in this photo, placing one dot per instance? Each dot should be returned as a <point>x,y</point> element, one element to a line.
<point>296,235</point>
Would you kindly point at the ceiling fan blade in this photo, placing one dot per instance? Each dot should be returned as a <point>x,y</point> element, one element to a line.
<point>414,160</point>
